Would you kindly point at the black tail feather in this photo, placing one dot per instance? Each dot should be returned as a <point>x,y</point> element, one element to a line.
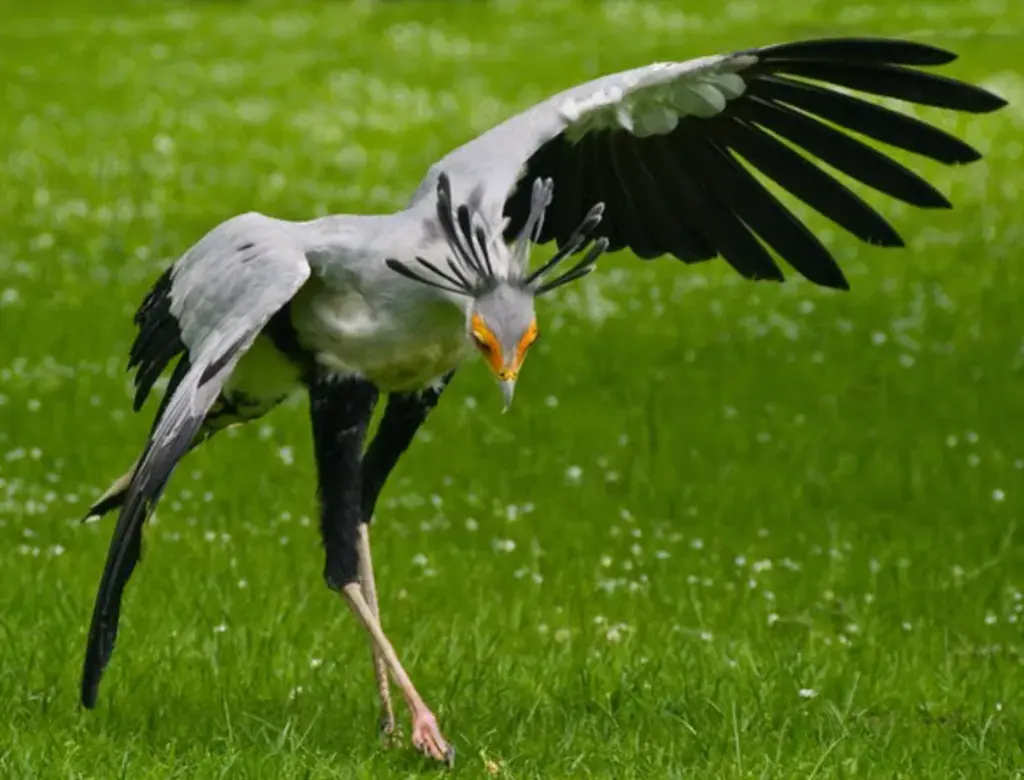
<point>136,503</point>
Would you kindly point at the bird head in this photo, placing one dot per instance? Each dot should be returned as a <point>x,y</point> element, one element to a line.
<point>500,317</point>
<point>503,326</point>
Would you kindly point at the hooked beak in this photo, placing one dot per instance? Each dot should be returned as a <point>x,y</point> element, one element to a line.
<point>508,389</point>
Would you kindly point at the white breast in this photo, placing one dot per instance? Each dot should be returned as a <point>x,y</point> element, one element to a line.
<point>401,341</point>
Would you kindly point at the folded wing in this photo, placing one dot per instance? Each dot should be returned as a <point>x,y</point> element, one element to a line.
<point>208,308</point>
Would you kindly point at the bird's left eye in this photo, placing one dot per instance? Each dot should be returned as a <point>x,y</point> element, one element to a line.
<point>530,337</point>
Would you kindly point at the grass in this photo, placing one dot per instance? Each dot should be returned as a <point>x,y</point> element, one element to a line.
<point>727,529</point>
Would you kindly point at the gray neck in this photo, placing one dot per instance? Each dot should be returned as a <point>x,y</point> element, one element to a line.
<point>349,230</point>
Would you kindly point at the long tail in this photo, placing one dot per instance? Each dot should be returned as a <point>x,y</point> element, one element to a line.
<point>134,506</point>
<point>133,509</point>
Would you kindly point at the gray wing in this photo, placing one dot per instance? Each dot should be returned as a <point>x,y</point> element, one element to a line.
<point>208,307</point>
<point>669,149</point>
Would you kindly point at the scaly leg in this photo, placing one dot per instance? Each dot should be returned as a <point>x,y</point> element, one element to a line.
<point>369,588</point>
<point>403,416</point>
<point>426,736</point>
<point>340,412</point>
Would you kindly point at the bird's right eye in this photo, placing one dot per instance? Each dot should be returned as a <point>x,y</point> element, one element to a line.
<point>482,343</point>
<point>481,335</point>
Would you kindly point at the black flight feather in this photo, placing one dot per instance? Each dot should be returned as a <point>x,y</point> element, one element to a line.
<point>807,182</point>
<point>692,195</point>
<point>896,81</point>
<point>881,50</point>
<point>870,119</point>
<point>843,152</point>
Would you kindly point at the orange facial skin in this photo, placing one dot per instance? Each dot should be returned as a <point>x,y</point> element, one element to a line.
<point>491,349</point>
<point>525,342</point>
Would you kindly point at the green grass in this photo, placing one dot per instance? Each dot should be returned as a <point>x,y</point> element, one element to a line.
<point>720,494</point>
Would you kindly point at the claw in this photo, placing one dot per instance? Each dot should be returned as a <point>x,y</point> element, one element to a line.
<point>427,738</point>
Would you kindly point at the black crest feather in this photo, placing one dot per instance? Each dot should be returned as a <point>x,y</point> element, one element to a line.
<point>471,270</point>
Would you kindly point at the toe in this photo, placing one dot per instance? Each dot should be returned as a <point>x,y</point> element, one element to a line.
<point>426,737</point>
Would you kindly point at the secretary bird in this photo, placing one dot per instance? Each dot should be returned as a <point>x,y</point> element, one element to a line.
<point>658,160</point>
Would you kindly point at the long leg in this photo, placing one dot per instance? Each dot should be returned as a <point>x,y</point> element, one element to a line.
<point>426,735</point>
<point>340,413</point>
<point>380,669</point>
<point>403,416</point>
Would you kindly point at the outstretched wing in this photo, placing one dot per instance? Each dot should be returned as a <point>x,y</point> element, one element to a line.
<point>668,148</point>
<point>210,306</point>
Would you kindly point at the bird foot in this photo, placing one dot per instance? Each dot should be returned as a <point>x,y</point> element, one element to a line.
<point>388,729</point>
<point>427,737</point>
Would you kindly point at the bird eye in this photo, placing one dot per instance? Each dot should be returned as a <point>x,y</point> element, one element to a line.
<point>483,344</point>
<point>530,337</point>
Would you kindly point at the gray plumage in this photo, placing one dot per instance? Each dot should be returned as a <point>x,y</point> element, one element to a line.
<point>656,159</point>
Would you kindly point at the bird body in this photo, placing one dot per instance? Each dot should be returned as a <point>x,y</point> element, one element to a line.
<point>399,336</point>
<point>397,344</point>
<point>660,159</point>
